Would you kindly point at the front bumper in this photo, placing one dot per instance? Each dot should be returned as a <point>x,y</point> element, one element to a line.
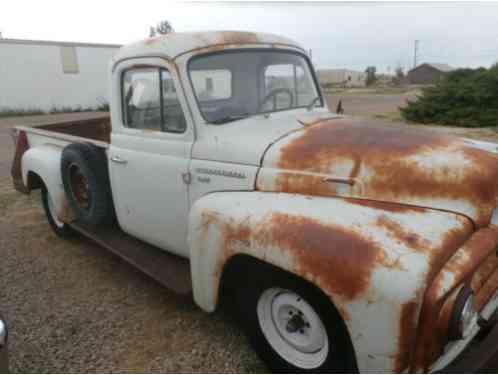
<point>480,356</point>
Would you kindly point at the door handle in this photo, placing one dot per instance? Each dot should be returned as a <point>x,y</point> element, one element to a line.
<point>117,159</point>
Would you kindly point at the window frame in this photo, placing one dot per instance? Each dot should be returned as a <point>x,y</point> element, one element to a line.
<point>160,70</point>
<point>238,50</point>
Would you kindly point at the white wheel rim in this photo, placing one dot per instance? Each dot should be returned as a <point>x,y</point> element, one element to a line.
<point>293,328</point>
<point>53,212</point>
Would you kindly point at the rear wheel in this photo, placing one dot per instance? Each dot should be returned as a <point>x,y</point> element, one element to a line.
<point>293,327</point>
<point>60,228</point>
<point>86,182</point>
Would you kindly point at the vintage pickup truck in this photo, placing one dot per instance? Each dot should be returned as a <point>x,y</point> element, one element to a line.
<point>345,244</point>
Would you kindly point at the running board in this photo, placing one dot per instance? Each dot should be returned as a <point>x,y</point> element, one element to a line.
<point>168,269</point>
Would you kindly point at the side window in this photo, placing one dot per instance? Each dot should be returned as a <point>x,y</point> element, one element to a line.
<point>141,99</point>
<point>150,101</point>
<point>214,84</point>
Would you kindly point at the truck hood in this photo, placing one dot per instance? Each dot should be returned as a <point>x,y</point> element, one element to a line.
<point>245,141</point>
<point>361,158</point>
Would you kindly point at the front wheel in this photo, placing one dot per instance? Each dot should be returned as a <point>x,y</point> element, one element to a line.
<point>293,327</point>
<point>60,228</point>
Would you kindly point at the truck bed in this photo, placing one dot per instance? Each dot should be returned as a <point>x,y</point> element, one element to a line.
<point>98,129</point>
<point>95,128</point>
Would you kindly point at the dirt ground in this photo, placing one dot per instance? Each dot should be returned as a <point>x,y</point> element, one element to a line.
<point>73,307</point>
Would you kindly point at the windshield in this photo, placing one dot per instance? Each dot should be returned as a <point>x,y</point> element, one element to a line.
<point>237,84</point>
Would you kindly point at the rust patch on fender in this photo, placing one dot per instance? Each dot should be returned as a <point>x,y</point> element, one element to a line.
<point>487,291</point>
<point>338,260</point>
<point>429,342</point>
<point>474,252</point>
<point>411,240</point>
<point>407,335</point>
<point>341,259</point>
<point>485,270</point>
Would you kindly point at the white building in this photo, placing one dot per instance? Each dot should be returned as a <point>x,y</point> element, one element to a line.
<point>341,77</point>
<point>45,75</point>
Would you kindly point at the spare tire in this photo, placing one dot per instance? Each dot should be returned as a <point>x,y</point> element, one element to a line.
<point>85,178</point>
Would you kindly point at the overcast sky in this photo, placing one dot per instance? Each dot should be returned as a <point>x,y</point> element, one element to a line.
<point>349,35</point>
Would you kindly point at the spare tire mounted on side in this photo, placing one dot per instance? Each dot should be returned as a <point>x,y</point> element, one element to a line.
<point>85,178</point>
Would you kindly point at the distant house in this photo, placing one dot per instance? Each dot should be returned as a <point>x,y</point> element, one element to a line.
<point>43,75</point>
<point>428,73</point>
<point>341,77</point>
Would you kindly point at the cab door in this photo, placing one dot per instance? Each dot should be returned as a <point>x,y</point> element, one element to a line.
<point>150,153</point>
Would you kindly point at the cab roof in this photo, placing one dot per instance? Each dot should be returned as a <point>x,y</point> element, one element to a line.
<point>174,44</point>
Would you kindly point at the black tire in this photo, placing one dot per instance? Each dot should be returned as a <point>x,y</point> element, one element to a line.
<point>60,229</point>
<point>85,178</point>
<point>340,357</point>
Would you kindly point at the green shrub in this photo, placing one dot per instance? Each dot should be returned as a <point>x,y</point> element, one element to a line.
<point>464,97</point>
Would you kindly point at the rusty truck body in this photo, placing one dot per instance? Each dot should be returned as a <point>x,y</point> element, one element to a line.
<point>347,244</point>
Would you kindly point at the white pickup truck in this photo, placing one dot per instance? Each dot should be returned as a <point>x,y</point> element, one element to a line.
<point>347,245</point>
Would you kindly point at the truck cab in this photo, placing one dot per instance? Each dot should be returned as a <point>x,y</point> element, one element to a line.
<point>199,114</point>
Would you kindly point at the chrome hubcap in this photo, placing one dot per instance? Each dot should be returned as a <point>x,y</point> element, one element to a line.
<point>293,328</point>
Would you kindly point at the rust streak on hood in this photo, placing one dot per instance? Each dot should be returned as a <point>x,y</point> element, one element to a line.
<point>390,164</point>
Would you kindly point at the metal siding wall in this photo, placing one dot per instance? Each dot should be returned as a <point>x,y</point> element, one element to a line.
<point>31,76</point>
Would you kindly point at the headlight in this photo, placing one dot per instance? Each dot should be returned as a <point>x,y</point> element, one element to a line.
<point>464,315</point>
<point>3,333</point>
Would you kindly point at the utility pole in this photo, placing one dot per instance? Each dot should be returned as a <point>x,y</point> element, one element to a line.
<point>415,53</point>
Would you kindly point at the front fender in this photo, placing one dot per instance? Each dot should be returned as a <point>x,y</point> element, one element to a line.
<point>372,259</point>
<point>45,161</point>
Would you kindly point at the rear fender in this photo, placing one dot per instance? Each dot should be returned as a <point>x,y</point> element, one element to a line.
<point>371,259</point>
<point>45,161</point>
